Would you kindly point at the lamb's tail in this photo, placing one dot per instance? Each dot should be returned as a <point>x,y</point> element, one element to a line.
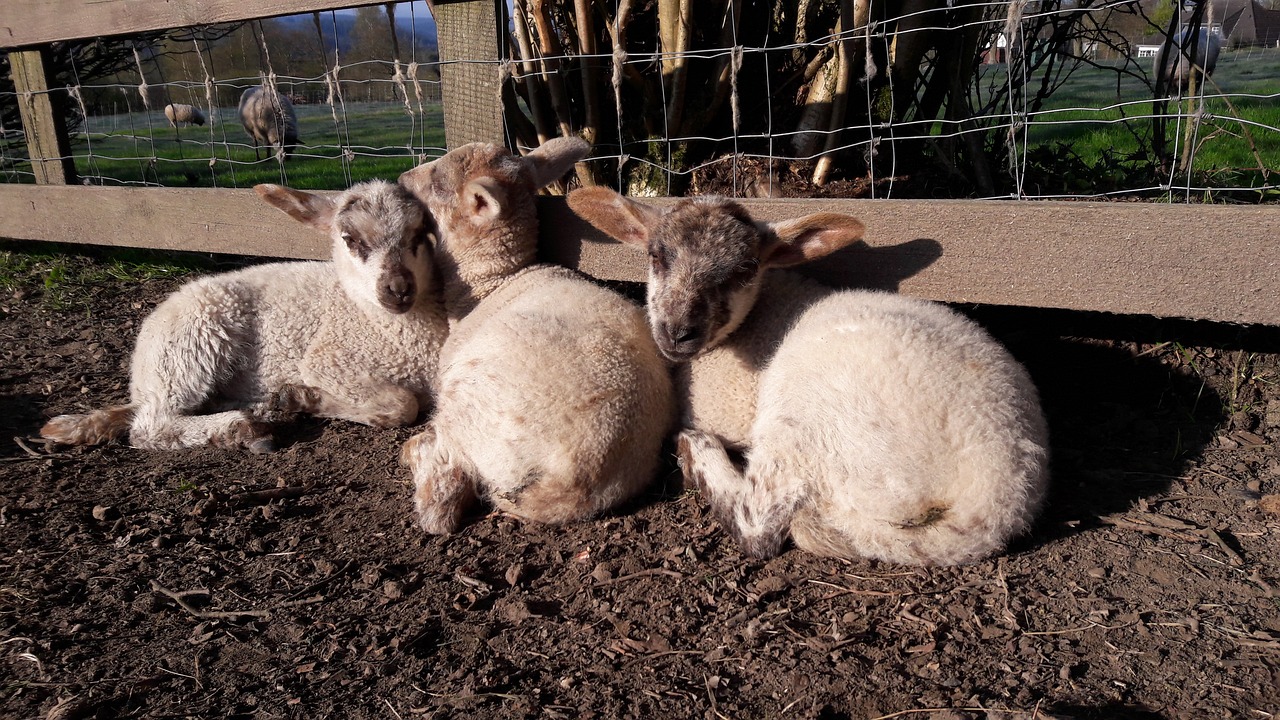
<point>95,428</point>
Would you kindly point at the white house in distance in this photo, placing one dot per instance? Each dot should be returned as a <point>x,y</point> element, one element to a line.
<point>1237,23</point>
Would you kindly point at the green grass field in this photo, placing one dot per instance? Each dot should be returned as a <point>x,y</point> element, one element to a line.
<point>66,275</point>
<point>383,140</point>
<point>1237,139</point>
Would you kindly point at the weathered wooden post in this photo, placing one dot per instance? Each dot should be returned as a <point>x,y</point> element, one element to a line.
<point>47,143</point>
<point>467,33</point>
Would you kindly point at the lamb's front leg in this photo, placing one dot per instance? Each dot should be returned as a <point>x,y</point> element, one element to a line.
<point>756,511</point>
<point>442,488</point>
<point>368,403</point>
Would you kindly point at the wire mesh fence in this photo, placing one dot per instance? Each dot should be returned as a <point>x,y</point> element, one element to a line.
<point>914,99</point>
<point>362,92</point>
<point>853,98</point>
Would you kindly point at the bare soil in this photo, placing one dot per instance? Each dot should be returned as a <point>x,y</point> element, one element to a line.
<point>212,583</point>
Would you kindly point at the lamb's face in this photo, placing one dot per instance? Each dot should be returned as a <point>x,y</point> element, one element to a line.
<point>704,275</point>
<point>381,248</point>
<point>706,259</point>
<point>471,190</point>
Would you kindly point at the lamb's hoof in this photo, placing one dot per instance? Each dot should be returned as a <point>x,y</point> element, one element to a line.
<point>294,399</point>
<point>252,435</point>
<point>436,517</point>
<point>441,495</point>
<point>261,446</point>
<point>401,409</point>
<point>413,450</point>
<point>384,421</point>
<point>687,443</point>
<point>95,428</point>
<point>63,429</point>
<point>434,524</point>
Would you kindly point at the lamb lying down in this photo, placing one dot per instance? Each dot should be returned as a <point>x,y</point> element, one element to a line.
<point>874,425</point>
<point>356,338</point>
<point>554,401</point>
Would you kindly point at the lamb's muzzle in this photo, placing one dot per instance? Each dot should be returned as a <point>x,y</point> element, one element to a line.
<point>398,289</point>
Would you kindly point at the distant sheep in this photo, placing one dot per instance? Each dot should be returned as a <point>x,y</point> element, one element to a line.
<point>874,425</point>
<point>186,114</point>
<point>553,400</point>
<point>1177,65</point>
<point>356,338</point>
<point>269,119</point>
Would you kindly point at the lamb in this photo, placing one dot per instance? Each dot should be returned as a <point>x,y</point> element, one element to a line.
<point>873,425</point>
<point>553,400</point>
<point>181,113</point>
<point>1176,66</point>
<point>269,119</point>
<point>356,338</point>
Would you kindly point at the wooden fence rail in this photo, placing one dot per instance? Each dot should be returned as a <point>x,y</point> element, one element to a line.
<point>1197,261</point>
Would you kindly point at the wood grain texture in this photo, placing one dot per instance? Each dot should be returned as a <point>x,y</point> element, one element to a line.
<point>48,145</point>
<point>1210,262</point>
<point>201,220</point>
<point>32,22</point>
<point>467,33</point>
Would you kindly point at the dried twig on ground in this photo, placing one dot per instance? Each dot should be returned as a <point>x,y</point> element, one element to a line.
<point>1171,527</point>
<point>180,599</point>
<point>642,573</point>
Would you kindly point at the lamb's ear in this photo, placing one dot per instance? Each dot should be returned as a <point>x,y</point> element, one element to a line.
<point>482,199</point>
<point>307,208</point>
<point>622,219</point>
<point>417,180</point>
<point>552,159</point>
<point>791,242</point>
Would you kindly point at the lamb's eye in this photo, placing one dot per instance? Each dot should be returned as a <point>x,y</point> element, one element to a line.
<point>353,241</point>
<point>743,273</point>
<point>658,257</point>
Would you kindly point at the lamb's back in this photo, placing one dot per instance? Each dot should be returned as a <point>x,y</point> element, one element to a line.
<point>266,315</point>
<point>899,409</point>
<point>549,369</point>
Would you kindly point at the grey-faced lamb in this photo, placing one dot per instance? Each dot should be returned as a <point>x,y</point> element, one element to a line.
<point>553,400</point>
<point>269,119</point>
<point>356,338</point>
<point>873,425</point>
<point>181,113</point>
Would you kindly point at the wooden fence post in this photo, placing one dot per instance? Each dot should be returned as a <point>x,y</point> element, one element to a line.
<point>47,143</point>
<point>467,33</point>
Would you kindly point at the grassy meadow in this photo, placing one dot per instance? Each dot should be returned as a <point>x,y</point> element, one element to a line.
<point>382,140</point>
<point>1236,141</point>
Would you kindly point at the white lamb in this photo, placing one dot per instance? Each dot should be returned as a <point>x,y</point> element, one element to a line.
<point>873,425</point>
<point>357,338</point>
<point>269,119</point>
<point>177,113</point>
<point>553,401</point>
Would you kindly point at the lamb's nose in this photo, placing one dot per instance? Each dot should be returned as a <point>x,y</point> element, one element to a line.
<point>681,333</point>
<point>400,287</point>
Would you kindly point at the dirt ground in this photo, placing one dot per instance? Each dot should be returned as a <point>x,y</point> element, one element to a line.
<point>216,584</point>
